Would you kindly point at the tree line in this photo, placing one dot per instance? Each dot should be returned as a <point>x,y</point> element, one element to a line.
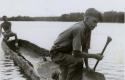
<point>109,16</point>
<point>113,16</point>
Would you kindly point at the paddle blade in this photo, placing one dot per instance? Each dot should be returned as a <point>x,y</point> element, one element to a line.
<point>109,39</point>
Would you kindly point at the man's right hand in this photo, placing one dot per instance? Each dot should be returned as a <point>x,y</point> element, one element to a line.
<point>76,53</point>
<point>98,56</point>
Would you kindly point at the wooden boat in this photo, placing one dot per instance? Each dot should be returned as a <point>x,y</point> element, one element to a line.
<point>35,61</point>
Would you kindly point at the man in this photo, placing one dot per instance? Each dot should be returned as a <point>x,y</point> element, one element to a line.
<point>7,33</point>
<point>72,45</point>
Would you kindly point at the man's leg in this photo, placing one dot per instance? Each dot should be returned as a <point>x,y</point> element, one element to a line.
<point>64,72</point>
<point>75,72</point>
<point>16,39</point>
<point>58,58</point>
<point>73,66</point>
<point>13,34</point>
<point>5,36</point>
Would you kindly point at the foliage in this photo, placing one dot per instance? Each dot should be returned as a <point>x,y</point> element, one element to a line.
<point>109,16</point>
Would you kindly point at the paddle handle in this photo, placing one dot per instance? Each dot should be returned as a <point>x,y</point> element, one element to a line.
<point>109,39</point>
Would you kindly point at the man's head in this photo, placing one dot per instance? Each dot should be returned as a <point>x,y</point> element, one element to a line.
<point>91,18</point>
<point>4,18</point>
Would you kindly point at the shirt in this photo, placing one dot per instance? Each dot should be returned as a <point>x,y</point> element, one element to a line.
<point>76,37</point>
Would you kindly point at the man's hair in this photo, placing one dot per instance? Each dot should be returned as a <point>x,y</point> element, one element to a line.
<point>93,12</point>
<point>4,17</point>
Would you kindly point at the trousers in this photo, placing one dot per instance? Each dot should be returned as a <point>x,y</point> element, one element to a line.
<point>70,66</point>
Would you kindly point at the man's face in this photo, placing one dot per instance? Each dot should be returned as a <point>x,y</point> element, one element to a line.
<point>5,18</point>
<point>92,22</point>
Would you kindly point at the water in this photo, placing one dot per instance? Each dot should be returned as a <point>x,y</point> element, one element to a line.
<point>9,71</point>
<point>44,33</point>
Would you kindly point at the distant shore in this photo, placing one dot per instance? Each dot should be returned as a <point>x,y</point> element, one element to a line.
<point>109,16</point>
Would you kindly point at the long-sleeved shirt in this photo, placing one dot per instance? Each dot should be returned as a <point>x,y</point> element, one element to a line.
<point>76,37</point>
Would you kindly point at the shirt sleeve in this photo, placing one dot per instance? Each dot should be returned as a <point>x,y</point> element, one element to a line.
<point>86,42</point>
<point>0,30</point>
<point>77,40</point>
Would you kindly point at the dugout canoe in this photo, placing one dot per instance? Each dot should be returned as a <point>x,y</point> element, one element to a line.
<point>36,63</point>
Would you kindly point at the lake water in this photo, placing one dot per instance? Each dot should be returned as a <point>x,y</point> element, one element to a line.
<point>44,34</point>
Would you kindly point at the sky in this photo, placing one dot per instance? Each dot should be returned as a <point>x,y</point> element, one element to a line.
<point>56,7</point>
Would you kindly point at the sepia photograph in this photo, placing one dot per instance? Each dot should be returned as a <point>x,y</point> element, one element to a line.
<point>62,40</point>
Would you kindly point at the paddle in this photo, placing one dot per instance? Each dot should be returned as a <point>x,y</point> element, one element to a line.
<point>109,39</point>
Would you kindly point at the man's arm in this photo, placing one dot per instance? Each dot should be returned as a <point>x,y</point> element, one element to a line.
<point>86,49</point>
<point>86,55</point>
<point>86,60</point>
<point>76,40</point>
<point>9,26</point>
<point>0,30</point>
<point>96,56</point>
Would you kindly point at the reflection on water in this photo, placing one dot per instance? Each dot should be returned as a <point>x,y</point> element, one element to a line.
<point>44,34</point>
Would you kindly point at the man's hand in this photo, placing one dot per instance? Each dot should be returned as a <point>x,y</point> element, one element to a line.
<point>76,53</point>
<point>89,69</point>
<point>98,56</point>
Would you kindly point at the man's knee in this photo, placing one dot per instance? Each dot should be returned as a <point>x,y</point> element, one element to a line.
<point>77,64</point>
<point>14,34</point>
